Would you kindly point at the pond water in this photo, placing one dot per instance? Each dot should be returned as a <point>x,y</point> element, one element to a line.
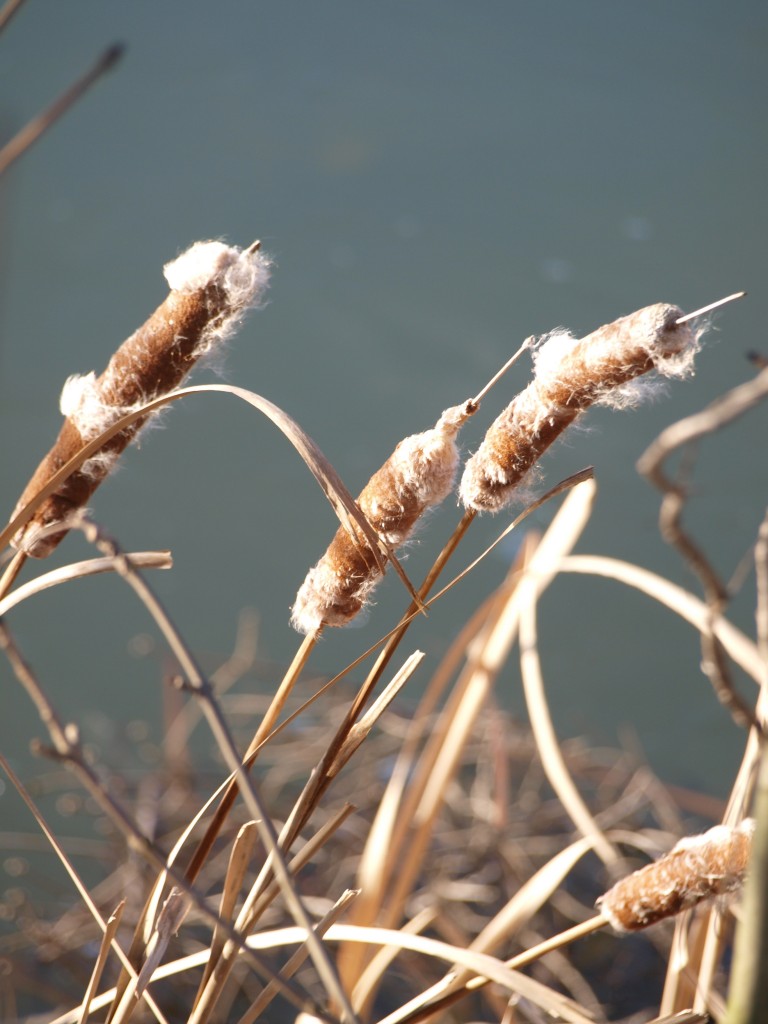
<point>436,182</point>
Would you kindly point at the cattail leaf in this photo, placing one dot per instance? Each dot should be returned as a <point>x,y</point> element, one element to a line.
<point>341,500</point>
<point>105,947</point>
<point>79,570</point>
<point>689,607</point>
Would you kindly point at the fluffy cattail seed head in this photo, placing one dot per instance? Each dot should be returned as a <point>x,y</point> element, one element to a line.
<point>571,375</point>
<point>212,285</point>
<point>418,475</point>
<point>696,869</point>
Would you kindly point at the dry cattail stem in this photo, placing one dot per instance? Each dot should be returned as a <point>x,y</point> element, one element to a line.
<point>571,375</point>
<point>212,284</point>
<point>418,475</point>
<point>696,869</point>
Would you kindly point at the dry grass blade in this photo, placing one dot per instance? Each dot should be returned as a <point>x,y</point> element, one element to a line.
<point>12,570</point>
<point>80,570</point>
<point>148,915</point>
<point>689,607</point>
<point>562,534</point>
<point>359,730</point>
<point>749,982</point>
<point>478,963</point>
<point>446,992</point>
<point>31,132</point>
<point>531,896</point>
<point>370,978</point>
<point>239,860</point>
<point>294,963</point>
<point>169,920</point>
<point>113,923</point>
<point>546,738</point>
<point>569,483</point>
<point>263,731</point>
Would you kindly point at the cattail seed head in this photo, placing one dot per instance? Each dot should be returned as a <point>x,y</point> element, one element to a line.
<point>696,869</point>
<point>418,475</point>
<point>212,285</point>
<point>571,375</point>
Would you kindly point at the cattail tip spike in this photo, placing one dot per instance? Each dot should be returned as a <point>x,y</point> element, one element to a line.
<point>710,307</point>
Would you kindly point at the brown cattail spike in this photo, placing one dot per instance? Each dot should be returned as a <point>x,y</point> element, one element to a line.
<point>571,375</point>
<point>419,474</point>
<point>212,284</point>
<point>698,868</point>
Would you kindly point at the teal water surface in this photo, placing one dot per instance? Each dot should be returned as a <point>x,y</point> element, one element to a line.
<point>436,182</point>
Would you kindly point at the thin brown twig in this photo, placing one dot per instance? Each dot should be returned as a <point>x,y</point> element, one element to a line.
<point>9,9</point>
<point>31,132</point>
<point>11,573</point>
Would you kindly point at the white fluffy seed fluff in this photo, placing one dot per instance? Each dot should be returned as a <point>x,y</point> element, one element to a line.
<point>212,285</point>
<point>571,374</point>
<point>419,475</point>
<point>243,274</point>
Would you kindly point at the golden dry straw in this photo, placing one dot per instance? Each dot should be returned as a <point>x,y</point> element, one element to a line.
<point>696,869</point>
<point>418,475</point>
<point>571,375</point>
<point>212,285</point>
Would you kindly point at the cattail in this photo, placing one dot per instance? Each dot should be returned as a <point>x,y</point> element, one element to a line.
<point>418,475</point>
<point>696,869</point>
<point>571,375</point>
<point>212,285</point>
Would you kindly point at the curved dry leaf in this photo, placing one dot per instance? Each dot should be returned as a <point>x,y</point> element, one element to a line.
<point>531,896</point>
<point>478,963</point>
<point>331,484</point>
<point>79,570</point>
<point>738,645</point>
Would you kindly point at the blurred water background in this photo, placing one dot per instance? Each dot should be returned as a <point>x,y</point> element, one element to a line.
<point>436,181</point>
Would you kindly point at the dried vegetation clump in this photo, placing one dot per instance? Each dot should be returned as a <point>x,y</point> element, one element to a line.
<point>499,825</point>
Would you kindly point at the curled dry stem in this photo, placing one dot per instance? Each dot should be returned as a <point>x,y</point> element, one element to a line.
<point>718,414</point>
